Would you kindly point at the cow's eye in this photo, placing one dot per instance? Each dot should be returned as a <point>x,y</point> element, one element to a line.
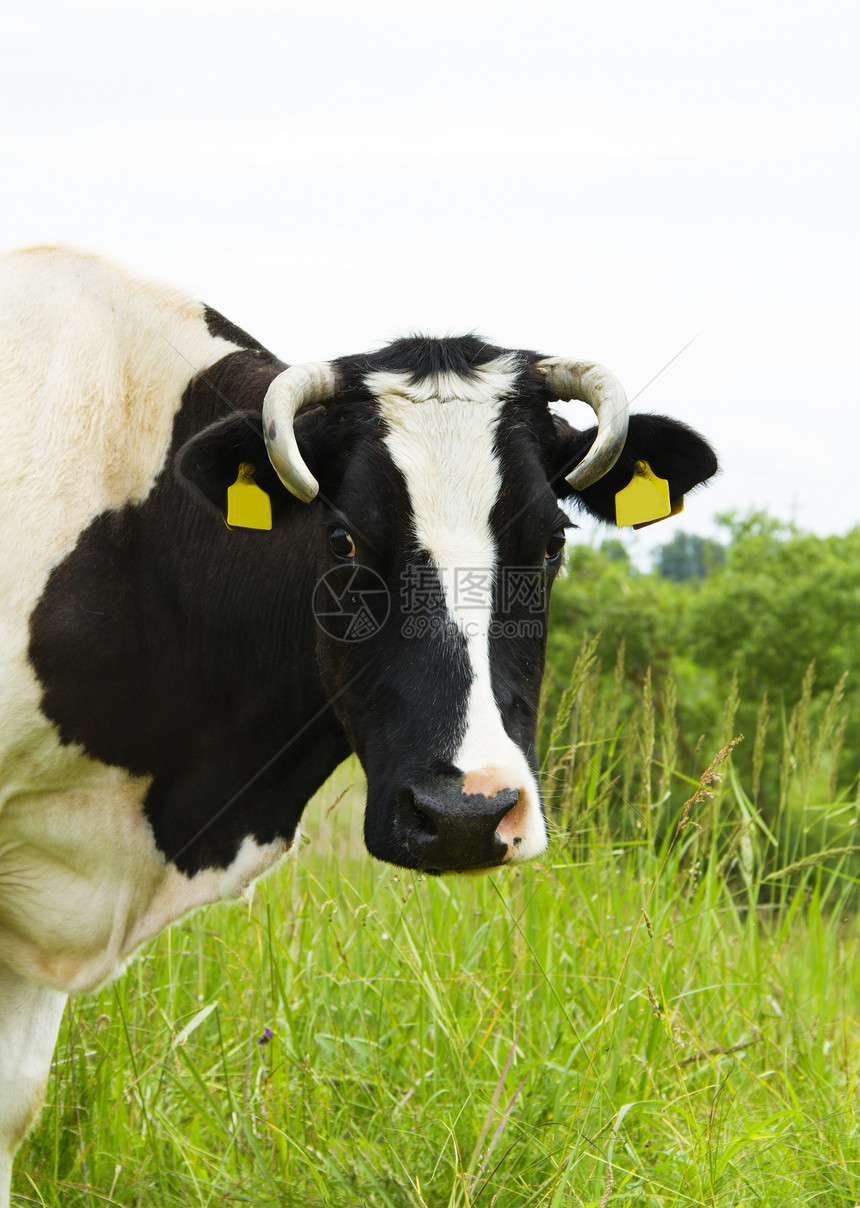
<point>341,543</point>
<point>555,545</point>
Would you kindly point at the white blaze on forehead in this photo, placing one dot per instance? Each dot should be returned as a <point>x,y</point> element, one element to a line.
<point>441,436</point>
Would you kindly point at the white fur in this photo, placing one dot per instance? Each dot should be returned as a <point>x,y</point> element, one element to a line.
<point>93,365</point>
<point>440,434</point>
<point>30,1017</point>
<point>82,884</point>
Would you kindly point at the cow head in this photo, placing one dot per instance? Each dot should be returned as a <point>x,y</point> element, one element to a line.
<point>436,473</point>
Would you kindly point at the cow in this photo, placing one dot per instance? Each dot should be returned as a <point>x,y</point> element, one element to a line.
<point>222,574</point>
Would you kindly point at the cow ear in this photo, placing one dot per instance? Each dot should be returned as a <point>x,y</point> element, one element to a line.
<point>231,453</point>
<point>670,449</point>
<point>209,463</point>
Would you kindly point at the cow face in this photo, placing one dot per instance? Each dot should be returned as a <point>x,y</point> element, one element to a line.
<point>438,536</point>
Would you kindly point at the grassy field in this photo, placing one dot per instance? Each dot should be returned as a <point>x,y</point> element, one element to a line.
<point>664,1011</point>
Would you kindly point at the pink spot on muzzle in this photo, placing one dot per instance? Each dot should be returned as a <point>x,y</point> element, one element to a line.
<point>490,782</point>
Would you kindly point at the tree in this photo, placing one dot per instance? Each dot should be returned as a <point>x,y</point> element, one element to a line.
<point>777,600</point>
<point>781,599</point>
<point>687,556</point>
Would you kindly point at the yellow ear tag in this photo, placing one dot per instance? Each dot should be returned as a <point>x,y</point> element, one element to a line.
<point>677,509</point>
<point>248,506</point>
<point>644,499</point>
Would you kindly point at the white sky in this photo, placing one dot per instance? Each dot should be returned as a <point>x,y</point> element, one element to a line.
<point>606,180</point>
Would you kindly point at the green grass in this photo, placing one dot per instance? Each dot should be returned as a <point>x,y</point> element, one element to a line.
<point>663,1011</point>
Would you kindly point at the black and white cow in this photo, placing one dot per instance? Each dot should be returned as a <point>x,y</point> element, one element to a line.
<point>174,690</point>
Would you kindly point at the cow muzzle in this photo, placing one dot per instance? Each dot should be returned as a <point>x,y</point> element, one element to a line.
<point>461,824</point>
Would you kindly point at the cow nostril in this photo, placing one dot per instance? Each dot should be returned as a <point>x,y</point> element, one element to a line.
<point>424,824</point>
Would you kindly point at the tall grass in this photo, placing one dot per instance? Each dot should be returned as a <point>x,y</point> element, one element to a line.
<point>663,1011</point>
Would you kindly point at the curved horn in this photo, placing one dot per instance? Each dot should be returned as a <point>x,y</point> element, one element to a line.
<point>291,390</point>
<point>592,384</point>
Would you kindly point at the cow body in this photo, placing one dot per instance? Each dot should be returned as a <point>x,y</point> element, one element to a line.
<point>82,882</point>
<point>169,700</point>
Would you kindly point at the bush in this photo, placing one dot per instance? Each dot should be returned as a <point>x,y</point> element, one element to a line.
<point>778,602</point>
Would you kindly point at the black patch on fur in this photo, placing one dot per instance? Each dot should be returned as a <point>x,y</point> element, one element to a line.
<point>219,326</point>
<point>524,517</point>
<point>177,649</point>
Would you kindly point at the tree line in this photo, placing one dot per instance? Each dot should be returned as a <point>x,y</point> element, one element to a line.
<point>763,618</point>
